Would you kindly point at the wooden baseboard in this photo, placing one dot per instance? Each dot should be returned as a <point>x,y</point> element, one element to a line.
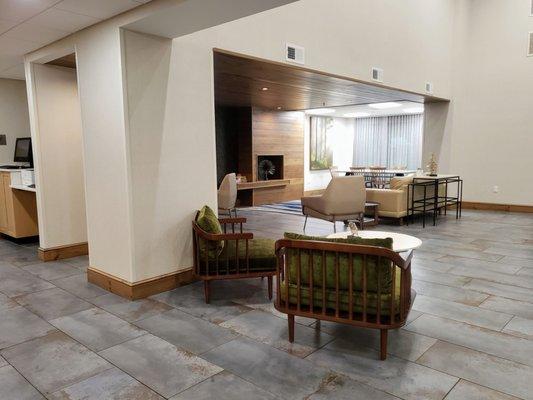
<point>497,207</point>
<point>61,252</point>
<point>141,289</point>
<point>314,192</point>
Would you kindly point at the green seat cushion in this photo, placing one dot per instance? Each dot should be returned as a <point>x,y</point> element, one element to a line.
<point>313,260</point>
<point>261,257</point>
<point>208,222</point>
<point>344,298</point>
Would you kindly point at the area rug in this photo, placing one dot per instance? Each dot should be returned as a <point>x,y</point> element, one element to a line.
<point>293,207</point>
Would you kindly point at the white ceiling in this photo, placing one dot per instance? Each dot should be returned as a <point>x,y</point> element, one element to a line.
<point>26,25</point>
<point>406,107</point>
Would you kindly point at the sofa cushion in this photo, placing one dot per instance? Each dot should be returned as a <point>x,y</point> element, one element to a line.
<point>208,222</point>
<point>261,257</point>
<point>312,261</point>
<point>400,182</point>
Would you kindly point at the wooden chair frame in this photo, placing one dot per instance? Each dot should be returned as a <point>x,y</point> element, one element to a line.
<point>395,318</point>
<point>223,267</point>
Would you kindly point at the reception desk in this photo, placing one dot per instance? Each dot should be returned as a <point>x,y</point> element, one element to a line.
<point>18,206</point>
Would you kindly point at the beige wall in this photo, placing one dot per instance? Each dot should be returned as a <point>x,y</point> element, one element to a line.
<point>14,119</point>
<point>57,148</point>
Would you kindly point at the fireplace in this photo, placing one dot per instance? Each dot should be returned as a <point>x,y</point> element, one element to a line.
<point>269,167</point>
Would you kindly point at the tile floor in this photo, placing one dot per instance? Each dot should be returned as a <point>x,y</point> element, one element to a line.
<point>469,335</point>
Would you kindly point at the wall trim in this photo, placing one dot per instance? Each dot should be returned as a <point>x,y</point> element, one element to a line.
<point>62,252</point>
<point>472,205</point>
<point>141,289</point>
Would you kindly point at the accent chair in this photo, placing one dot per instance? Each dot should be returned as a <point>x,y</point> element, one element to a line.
<point>227,194</point>
<point>344,199</point>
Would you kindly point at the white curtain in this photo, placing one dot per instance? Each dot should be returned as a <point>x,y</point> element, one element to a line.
<point>394,141</point>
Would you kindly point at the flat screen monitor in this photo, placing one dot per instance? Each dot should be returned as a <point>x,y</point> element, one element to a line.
<point>23,151</point>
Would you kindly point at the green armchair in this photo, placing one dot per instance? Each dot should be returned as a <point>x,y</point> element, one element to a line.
<point>223,251</point>
<point>356,281</point>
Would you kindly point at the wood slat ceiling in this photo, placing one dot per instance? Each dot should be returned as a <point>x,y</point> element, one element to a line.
<point>239,80</point>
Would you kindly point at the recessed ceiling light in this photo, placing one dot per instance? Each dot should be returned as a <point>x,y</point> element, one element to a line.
<point>264,89</point>
<point>383,106</point>
<point>278,108</point>
<point>357,115</point>
<point>413,110</point>
<point>320,111</point>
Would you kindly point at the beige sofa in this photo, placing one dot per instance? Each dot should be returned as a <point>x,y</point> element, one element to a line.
<point>393,201</point>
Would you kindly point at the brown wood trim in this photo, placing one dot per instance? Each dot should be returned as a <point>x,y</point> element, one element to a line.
<point>315,192</point>
<point>263,184</point>
<point>472,205</point>
<point>62,252</point>
<point>141,289</point>
<point>428,98</point>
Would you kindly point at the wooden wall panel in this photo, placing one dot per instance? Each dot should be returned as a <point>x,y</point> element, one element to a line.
<point>279,133</point>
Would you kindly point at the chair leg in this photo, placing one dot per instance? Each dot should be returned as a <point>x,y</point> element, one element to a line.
<point>207,291</point>
<point>235,212</point>
<point>291,327</point>
<point>270,287</point>
<point>334,226</point>
<point>305,223</point>
<point>384,335</point>
<point>362,221</point>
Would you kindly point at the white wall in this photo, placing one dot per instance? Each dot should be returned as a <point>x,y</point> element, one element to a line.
<point>58,156</point>
<point>14,118</point>
<point>490,137</point>
<point>342,136</point>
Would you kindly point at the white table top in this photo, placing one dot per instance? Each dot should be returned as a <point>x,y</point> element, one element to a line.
<point>400,241</point>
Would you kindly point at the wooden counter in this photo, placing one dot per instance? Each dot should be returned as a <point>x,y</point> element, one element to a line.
<point>18,209</point>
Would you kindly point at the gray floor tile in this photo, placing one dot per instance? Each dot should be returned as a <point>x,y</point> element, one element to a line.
<point>450,293</point>
<point>22,257</point>
<point>521,327</point>
<point>111,384</point>
<point>525,271</point>
<point>224,386</point>
<point>427,275</point>
<point>432,265</point>
<point>18,325</point>
<point>523,262</point>
<point>343,388</point>
<point>485,340</point>
<point>496,373</point>
<point>2,362</point>
<point>396,376</point>
<point>13,386</point>
<point>401,343</point>
<point>454,261</point>
<point>51,270</point>
<point>276,371</point>
<point>465,390</point>
<point>97,329</point>
<point>79,286</point>
<point>498,289</point>
<point>160,365</point>
<point>509,306</point>
<point>488,275</point>
<point>6,303</point>
<point>271,330</point>
<point>461,312</point>
<point>54,361</point>
<point>192,302</point>
<point>15,282</point>
<point>185,331</point>
<point>81,262</point>
<point>53,303</point>
<point>130,310</point>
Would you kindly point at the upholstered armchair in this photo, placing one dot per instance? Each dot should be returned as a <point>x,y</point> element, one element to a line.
<point>355,281</point>
<point>344,199</point>
<point>223,251</point>
<point>227,194</point>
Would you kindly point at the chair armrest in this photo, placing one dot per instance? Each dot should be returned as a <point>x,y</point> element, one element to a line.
<point>406,256</point>
<point>221,236</point>
<point>314,202</point>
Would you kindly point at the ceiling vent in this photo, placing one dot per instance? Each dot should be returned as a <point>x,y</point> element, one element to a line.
<point>530,45</point>
<point>377,74</point>
<point>429,88</point>
<point>295,54</point>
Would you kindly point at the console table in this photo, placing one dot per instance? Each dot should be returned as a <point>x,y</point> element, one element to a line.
<point>432,194</point>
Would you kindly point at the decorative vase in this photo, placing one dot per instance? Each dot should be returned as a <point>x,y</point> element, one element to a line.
<point>432,165</point>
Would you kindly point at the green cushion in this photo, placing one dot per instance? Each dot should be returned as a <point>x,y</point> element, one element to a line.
<point>261,257</point>
<point>208,222</point>
<point>372,271</point>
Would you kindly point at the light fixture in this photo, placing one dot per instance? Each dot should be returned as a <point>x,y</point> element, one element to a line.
<point>264,89</point>
<point>384,106</point>
<point>320,111</point>
<point>357,115</point>
<point>278,108</point>
<point>413,110</point>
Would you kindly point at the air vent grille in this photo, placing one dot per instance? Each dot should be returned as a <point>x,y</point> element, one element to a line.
<point>429,87</point>
<point>294,53</point>
<point>377,74</point>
